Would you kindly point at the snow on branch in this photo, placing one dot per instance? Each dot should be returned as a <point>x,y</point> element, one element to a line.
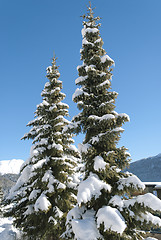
<point>124,115</point>
<point>58,146</point>
<point>107,82</point>
<point>86,42</point>
<point>98,40</point>
<point>58,212</point>
<point>148,217</point>
<point>88,30</point>
<point>131,181</point>
<point>91,187</point>
<point>39,164</point>
<point>112,219</point>
<point>48,177</point>
<point>44,103</point>
<point>80,79</point>
<point>83,223</point>
<point>107,58</point>
<point>149,200</point>
<point>100,135</point>
<point>42,203</point>
<point>104,117</point>
<point>64,105</point>
<point>117,201</point>
<point>90,68</point>
<point>25,174</point>
<point>34,194</point>
<point>83,148</point>
<point>49,69</point>
<point>99,163</point>
<point>85,229</point>
<point>78,92</point>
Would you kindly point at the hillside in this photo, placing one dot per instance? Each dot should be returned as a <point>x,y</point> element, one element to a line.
<point>147,169</point>
<point>9,173</point>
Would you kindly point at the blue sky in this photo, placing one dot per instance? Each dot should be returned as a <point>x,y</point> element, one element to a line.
<point>32,30</point>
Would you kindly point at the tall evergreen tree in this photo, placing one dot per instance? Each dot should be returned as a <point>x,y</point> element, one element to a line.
<point>45,190</point>
<point>106,208</point>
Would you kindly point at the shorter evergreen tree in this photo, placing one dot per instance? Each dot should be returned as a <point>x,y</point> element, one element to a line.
<point>45,190</point>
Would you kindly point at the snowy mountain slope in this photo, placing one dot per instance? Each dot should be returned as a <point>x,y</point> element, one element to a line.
<point>10,166</point>
<point>9,170</point>
<point>7,181</point>
<point>147,169</point>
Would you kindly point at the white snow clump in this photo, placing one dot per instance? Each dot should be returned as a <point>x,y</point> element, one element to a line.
<point>112,219</point>
<point>91,187</point>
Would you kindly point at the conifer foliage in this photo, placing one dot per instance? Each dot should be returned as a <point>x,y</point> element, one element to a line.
<point>45,189</point>
<point>106,208</point>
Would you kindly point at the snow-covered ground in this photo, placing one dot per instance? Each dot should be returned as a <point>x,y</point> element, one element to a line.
<point>10,166</point>
<point>7,231</point>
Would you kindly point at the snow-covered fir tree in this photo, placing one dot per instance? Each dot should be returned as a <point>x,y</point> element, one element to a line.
<point>106,205</point>
<point>45,190</point>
